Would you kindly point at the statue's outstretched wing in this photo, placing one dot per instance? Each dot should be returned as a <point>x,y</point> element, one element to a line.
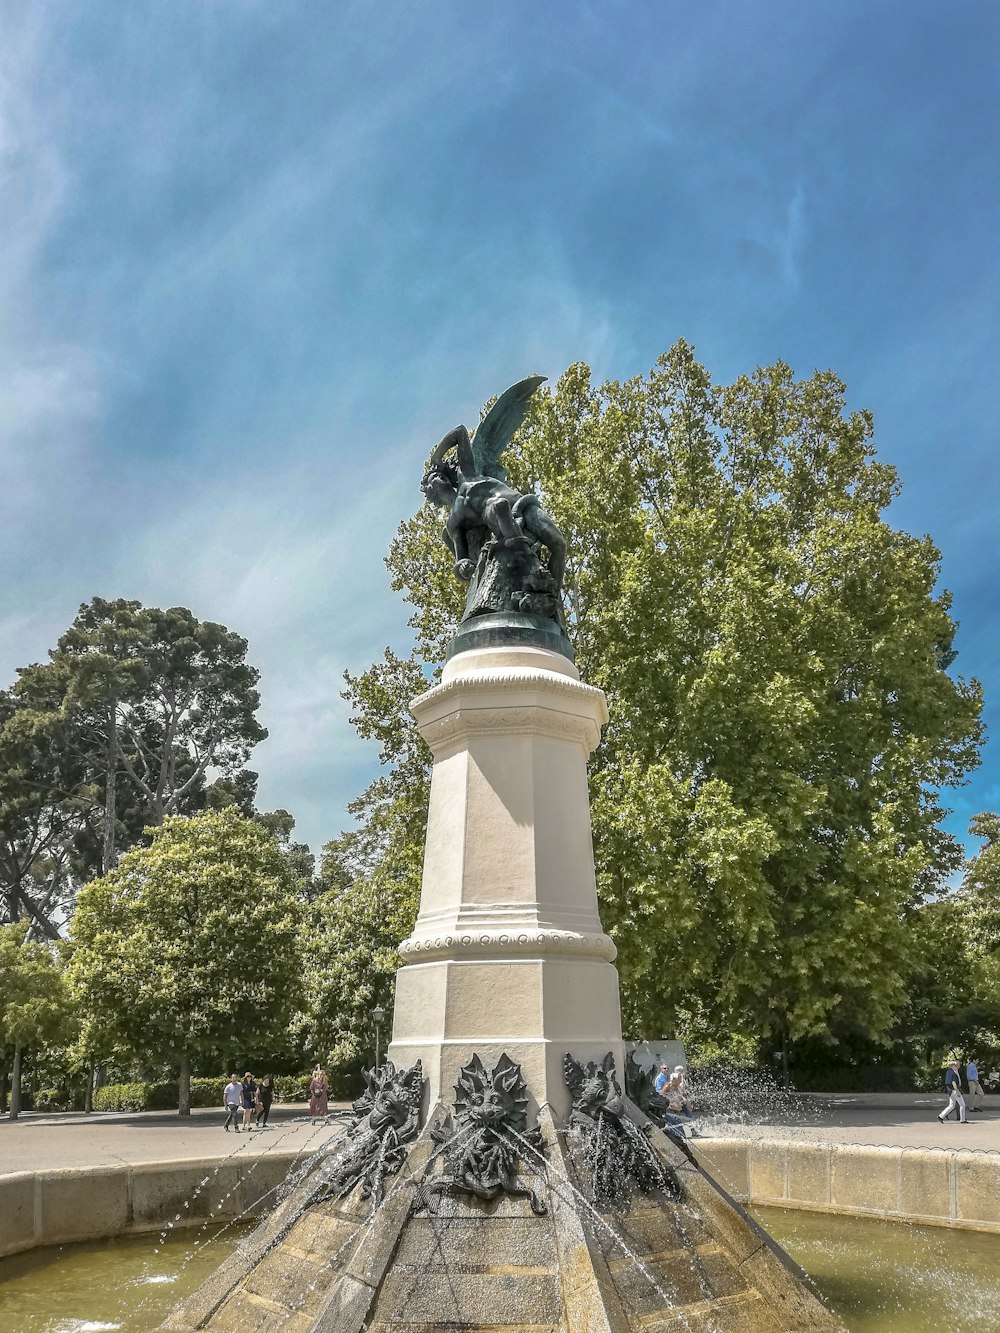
<point>497,428</point>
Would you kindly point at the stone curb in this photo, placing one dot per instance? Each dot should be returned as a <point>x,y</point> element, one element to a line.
<point>92,1203</point>
<point>934,1186</point>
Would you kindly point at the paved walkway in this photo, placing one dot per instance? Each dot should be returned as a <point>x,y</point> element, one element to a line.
<point>907,1120</point>
<point>73,1139</point>
<point>40,1142</point>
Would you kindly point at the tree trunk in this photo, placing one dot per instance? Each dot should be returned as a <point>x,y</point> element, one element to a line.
<point>15,1085</point>
<point>88,1096</point>
<point>184,1099</point>
<point>110,809</point>
<point>784,1058</point>
<point>4,1073</point>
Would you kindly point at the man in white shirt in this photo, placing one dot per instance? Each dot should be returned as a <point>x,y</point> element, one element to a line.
<point>232,1100</point>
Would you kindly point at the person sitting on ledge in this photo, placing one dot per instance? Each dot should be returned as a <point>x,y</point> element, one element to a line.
<point>675,1090</point>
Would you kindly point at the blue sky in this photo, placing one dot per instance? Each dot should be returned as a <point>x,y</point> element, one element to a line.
<point>256,257</point>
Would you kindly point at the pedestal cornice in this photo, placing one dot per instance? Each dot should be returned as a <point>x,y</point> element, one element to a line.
<point>510,701</point>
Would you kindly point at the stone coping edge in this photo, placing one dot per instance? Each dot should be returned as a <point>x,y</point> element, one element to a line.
<point>65,1204</point>
<point>947,1187</point>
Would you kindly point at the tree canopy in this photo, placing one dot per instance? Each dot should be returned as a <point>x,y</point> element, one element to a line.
<point>139,713</point>
<point>980,903</point>
<point>35,1006</point>
<point>766,801</point>
<point>190,947</point>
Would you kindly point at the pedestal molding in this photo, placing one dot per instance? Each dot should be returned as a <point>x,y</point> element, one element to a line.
<point>448,732</point>
<point>507,680</point>
<point>501,943</point>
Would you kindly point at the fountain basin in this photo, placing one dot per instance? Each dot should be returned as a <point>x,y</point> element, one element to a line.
<point>894,1277</point>
<point>933,1186</point>
<point>91,1203</point>
<point>125,1283</point>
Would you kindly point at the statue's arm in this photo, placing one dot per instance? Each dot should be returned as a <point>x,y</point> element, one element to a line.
<point>463,447</point>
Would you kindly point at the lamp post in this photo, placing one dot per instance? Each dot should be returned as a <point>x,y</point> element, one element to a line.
<point>378,1013</point>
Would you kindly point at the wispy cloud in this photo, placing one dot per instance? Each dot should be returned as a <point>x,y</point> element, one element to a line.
<point>50,387</point>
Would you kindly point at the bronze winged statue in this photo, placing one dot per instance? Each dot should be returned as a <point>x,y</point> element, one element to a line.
<point>496,534</point>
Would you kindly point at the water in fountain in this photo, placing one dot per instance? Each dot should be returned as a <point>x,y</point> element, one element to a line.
<point>598,1219</point>
<point>218,1233</point>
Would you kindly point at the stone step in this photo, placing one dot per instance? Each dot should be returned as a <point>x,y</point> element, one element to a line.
<point>675,1278</point>
<point>664,1256</point>
<point>478,1245</point>
<point>469,1300</point>
<point>244,1310</point>
<point>643,1228</point>
<point>471,1328</point>
<point>743,1312</point>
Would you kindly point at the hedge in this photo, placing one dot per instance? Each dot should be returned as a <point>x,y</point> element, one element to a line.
<point>156,1096</point>
<point>204,1092</point>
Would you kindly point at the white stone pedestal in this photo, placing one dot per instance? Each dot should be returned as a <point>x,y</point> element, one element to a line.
<point>508,954</point>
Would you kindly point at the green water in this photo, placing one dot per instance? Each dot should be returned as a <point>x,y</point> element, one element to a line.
<point>129,1283</point>
<point>880,1277</point>
<point>890,1277</point>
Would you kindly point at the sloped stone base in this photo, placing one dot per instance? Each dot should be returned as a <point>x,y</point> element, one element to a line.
<point>691,1260</point>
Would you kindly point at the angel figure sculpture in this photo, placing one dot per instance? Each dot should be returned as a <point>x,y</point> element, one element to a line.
<point>495,533</point>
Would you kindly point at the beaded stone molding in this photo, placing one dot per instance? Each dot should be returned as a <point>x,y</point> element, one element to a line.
<point>528,942</point>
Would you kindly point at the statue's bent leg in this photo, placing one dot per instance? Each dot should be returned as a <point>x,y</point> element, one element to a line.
<point>501,520</point>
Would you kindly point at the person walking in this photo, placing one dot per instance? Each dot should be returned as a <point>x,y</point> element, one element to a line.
<point>319,1089</point>
<point>248,1094</point>
<point>232,1100</point>
<point>953,1087</point>
<point>976,1093</point>
<point>265,1096</point>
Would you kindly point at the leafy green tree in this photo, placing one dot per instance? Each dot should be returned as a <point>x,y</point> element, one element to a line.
<point>350,965</point>
<point>300,859</point>
<point>980,904</point>
<point>35,1008</point>
<point>190,947</point>
<point>45,799</point>
<point>156,699</point>
<point>766,802</point>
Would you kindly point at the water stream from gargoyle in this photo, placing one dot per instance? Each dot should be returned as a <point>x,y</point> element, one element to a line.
<point>601,1221</point>
<point>210,1233</point>
<point>357,1235</point>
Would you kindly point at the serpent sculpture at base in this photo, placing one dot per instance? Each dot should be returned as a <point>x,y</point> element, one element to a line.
<point>495,1176</point>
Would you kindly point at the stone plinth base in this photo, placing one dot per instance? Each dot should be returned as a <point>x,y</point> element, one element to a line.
<point>508,955</point>
<point>531,1009</point>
